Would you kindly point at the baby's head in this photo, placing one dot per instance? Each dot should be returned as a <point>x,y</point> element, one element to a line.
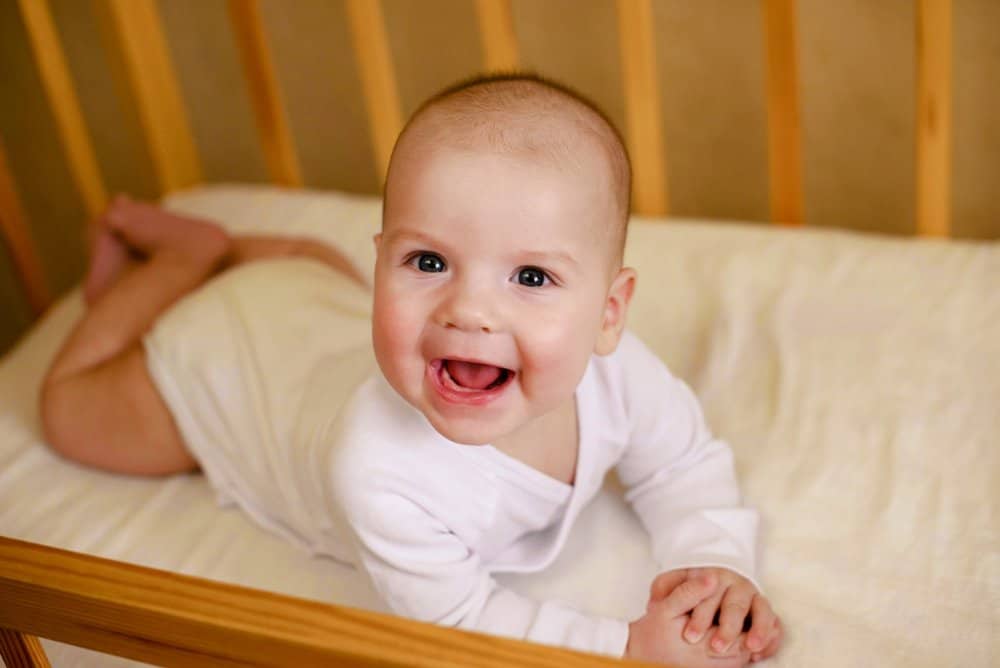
<point>499,262</point>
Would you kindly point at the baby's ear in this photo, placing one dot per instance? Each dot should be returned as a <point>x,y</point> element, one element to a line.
<point>615,309</point>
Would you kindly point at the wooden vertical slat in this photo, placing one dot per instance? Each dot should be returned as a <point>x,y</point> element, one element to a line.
<point>378,78</point>
<point>64,103</point>
<point>496,32</point>
<point>643,115</point>
<point>783,122</point>
<point>136,33</point>
<point>933,118</point>
<point>20,650</point>
<point>268,104</point>
<point>14,228</point>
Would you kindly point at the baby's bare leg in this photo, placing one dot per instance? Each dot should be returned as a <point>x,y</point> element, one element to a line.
<point>98,405</point>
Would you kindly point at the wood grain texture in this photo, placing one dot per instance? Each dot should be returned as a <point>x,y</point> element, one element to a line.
<point>378,79</point>
<point>134,30</point>
<point>933,152</point>
<point>783,123</point>
<point>20,650</point>
<point>496,32</point>
<point>171,619</point>
<point>643,115</point>
<point>14,228</point>
<point>265,93</point>
<point>64,103</point>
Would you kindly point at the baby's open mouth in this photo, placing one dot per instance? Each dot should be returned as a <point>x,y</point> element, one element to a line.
<point>473,376</point>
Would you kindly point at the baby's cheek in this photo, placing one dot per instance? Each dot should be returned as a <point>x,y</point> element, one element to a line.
<point>550,375</point>
<point>392,340</point>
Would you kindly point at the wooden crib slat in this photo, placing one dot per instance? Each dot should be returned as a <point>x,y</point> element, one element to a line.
<point>783,123</point>
<point>64,103</point>
<point>172,619</point>
<point>643,115</point>
<point>14,229</point>
<point>135,31</point>
<point>20,650</point>
<point>268,103</point>
<point>933,149</point>
<point>496,32</point>
<point>378,78</point>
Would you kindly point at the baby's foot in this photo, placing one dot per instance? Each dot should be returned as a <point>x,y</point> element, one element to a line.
<point>149,229</point>
<point>109,256</point>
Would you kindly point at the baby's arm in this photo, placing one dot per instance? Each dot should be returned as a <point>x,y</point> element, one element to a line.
<point>682,484</point>
<point>423,571</point>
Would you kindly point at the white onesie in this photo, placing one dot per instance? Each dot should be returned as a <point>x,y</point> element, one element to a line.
<point>269,374</point>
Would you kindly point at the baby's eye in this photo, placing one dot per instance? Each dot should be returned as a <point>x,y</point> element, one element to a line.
<point>533,277</point>
<point>430,263</point>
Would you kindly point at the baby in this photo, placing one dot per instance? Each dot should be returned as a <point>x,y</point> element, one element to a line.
<point>503,387</point>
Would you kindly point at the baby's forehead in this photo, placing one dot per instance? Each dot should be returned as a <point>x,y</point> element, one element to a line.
<point>550,144</point>
<point>444,179</point>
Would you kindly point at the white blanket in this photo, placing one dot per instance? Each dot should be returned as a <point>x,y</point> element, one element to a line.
<point>857,378</point>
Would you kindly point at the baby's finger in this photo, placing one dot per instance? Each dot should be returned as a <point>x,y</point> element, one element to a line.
<point>763,629</point>
<point>664,583</point>
<point>701,618</point>
<point>688,594</point>
<point>732,611</point>
<point>775,643</point>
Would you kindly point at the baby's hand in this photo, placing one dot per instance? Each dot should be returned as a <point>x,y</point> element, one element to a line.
<point>656,636</point>
<point>733,598</point>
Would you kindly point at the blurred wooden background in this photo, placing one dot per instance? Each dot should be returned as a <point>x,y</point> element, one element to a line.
<point>856,80</point>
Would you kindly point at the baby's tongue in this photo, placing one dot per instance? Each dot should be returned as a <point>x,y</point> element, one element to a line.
<point>472,375</point>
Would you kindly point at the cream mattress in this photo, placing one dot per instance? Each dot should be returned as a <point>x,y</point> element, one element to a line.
<point>857,378</point>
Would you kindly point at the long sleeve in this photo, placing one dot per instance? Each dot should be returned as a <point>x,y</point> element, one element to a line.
<point>679,478</point>
<point>423,571</point>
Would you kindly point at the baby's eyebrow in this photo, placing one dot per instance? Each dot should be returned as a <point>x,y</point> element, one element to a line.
<point>411,235</point>
<point>545,257</point>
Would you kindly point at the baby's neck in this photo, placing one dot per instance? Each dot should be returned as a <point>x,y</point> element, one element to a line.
<point>548,443</point>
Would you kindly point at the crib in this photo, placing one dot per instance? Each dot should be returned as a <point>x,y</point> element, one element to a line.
<point>873,347</point>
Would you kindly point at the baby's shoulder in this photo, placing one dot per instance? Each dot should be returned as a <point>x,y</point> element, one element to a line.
<point>630,388</point>
<point>380,431</point>
<point>386,448</point>
<point>632,365</point>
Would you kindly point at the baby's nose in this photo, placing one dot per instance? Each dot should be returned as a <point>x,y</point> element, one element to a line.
<point>469,311</point>
<point>469,321</point>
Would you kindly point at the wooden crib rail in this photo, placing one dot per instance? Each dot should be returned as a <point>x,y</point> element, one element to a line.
<point>170,619</point>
